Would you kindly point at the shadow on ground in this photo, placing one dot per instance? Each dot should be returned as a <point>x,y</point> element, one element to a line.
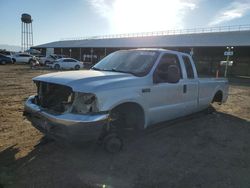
<point>199,151</point>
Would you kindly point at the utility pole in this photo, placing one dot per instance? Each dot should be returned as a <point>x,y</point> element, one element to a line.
<point>228,53</point>
<point>91,51</point>
<point>70,50</point>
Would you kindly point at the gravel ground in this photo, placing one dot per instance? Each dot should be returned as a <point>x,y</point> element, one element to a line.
<point>202,150</point>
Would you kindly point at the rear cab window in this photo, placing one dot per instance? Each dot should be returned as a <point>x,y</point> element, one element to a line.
<point>188,67</point>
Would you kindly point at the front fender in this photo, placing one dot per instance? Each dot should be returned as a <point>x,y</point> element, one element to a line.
<point>110,100</point>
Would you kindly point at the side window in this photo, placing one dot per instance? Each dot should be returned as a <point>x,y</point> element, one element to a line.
<point>161,72</point>
<point>66,60</point>
<point>24,55</point>
<point>188,66</point>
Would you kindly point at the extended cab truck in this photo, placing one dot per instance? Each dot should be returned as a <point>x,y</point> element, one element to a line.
<point>23,58</point>
<point>128,89</point>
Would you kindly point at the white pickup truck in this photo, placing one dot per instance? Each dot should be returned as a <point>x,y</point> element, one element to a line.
<point>128,89</point>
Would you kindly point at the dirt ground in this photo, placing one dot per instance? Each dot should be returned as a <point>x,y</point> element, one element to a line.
<point>202,150</point>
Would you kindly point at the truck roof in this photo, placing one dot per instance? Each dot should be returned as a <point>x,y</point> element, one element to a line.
<point>160,50</point>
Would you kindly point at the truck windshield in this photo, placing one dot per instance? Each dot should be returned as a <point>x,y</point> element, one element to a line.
<point>137,62</point>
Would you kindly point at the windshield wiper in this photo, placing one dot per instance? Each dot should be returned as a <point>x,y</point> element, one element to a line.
<point>114,70</point>
<point>121,71</point>
<point>94,68</point>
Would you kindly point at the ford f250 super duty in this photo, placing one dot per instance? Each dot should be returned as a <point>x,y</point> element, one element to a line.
<point>128,89</point>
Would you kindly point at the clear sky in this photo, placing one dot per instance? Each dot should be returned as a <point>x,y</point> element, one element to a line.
<point>57,19</point>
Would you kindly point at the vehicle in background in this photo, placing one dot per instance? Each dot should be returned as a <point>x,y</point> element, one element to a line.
<point>59,56</point>
<point>23,58</point>
<point>33,52</point>
<point>34,63</point>
<point>46,60</point>
<point>8,54</point>
<point>5,59</point>
<point>66,63</point>
<point>39,56</point>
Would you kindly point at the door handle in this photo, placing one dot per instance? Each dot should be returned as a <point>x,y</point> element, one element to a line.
<point>184,88</point>
<point>145,90</point>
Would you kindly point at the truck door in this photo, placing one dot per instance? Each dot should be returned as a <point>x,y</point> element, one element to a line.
<point>190,86</point>
<point>166,99</point>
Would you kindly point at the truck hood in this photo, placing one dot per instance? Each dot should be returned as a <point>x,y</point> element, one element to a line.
<point>89,80</point>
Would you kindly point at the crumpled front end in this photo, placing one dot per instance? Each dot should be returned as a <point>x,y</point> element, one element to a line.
<point>58,111</point>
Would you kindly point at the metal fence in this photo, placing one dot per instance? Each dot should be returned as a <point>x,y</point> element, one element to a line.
<point>168,32</point>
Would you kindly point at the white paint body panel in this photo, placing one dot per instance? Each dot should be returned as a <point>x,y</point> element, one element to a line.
<point>22,58</point>
<point>67,63</point>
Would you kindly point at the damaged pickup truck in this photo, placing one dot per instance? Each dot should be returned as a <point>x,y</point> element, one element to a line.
<point>128,89</point>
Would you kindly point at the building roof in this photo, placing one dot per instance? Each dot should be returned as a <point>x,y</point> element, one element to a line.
<point>213,39</point>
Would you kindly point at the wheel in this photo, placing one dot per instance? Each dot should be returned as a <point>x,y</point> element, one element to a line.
<point>112,143</point>
<point>46,62</point>
<point>77,67</point>
<point>57,67</point>
<point>14,60</point>
<point>3,62</point>
<point>30,61</point>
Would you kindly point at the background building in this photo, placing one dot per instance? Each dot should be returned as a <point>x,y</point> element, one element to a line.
<point>207,45</point>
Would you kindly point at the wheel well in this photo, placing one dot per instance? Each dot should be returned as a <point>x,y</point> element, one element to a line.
<point>129,115</point>
<point>218,96</point>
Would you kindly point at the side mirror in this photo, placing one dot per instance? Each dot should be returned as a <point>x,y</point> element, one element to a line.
<point>174,75</point>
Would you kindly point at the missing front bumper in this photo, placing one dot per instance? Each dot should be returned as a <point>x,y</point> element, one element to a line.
<point>67,125</point>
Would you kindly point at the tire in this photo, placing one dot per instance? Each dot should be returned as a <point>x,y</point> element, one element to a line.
<point>30,61</point>
<point>57,67</point>
<point>46,62</point>
<point>14,60</point>
<point>77,67</point>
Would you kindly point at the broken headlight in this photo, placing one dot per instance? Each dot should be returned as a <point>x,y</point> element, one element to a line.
<point>84,103</point>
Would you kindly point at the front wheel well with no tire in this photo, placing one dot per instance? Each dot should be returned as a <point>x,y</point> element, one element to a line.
<point>128,115</point>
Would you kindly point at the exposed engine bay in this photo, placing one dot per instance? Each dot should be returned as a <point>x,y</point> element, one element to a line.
<point>60,99</point>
